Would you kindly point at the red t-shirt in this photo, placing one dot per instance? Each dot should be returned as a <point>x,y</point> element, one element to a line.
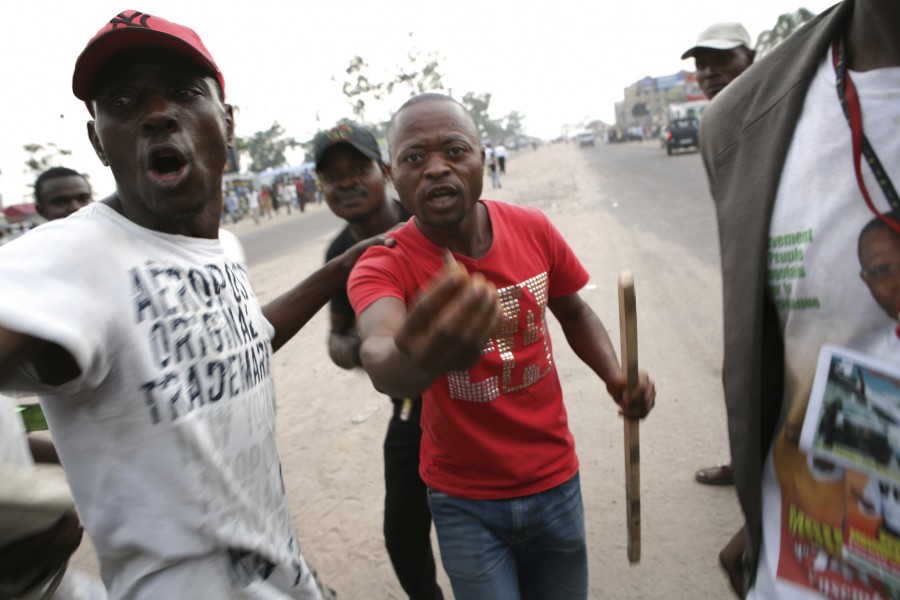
<point>499,429</point>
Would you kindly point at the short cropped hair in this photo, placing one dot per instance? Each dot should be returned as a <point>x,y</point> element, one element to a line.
<point>53,173</point>
<point>426,97</point>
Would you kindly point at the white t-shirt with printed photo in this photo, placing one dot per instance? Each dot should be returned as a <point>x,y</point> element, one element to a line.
<point>814,277</point>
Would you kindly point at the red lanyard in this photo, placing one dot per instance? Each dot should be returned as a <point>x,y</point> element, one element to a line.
<point>850,103</point>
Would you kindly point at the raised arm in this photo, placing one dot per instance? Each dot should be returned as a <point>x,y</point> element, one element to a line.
<point>292,310</point>
<point>587,336</point>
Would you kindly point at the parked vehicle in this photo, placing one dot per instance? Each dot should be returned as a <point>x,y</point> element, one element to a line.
<point>682,133</point>
<point>692,108</point>
<point>586,138</point>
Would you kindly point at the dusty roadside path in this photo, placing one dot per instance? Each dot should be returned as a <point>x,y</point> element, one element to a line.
<point>331,423</point>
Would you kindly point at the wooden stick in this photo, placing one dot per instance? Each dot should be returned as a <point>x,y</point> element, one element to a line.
<point>628,331</point>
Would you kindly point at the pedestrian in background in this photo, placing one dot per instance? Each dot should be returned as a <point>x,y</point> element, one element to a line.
<point>501,153</point>
<point>253,204</point>
<point>490,158</point>
<point>265,201</point>
<point>721,54</point>
<point>60,191</point>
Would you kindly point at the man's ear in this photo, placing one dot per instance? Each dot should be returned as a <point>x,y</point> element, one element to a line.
<point>229,121</point>
<point>95,142</point>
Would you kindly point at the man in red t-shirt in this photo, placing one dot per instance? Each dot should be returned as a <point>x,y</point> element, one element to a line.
<point>456,312</point>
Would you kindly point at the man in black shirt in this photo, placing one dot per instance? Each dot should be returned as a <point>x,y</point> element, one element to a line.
<point>354,177</point>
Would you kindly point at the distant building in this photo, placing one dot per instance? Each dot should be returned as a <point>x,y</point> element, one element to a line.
<point>646,102</point>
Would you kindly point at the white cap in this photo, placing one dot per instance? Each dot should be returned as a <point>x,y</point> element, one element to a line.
<point>721,36</point>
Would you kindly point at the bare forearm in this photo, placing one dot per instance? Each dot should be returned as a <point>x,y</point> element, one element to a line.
<point>587,337</point>
<point>14,347</point>
<point>391,371</point>
<point>344,350</point>
<point>592,345</point>
<point>42,450</point>
<point>293,309</point>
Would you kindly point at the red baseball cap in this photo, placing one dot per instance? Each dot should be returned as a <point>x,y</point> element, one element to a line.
<point>134,29</point>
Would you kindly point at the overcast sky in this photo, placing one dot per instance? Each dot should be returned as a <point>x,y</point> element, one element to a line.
<point>559,62</point>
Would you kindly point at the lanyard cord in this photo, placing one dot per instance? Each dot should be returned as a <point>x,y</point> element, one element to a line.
<point>852,110</point>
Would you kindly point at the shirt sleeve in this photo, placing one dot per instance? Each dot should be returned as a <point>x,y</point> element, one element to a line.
<point>373,277</point>
<point>54,289</point>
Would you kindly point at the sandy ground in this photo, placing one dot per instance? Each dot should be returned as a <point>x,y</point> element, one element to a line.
<point>331,423</point>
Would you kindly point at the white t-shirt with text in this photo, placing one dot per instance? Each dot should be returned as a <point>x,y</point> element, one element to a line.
<point>167,435</point>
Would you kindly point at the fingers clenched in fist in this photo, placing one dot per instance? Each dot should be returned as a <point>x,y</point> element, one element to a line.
<point>452,321</point>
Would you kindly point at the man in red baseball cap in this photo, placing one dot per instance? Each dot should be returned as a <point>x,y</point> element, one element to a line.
<point>132,29</point>
<point>136,322</point>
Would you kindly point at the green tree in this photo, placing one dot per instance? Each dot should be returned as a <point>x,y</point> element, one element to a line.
<point>420,74</point>
<point>266,149</point>
<point>366,94</point>
<point>478,106</point>
<point>787,24</point>
<point>359,88</point>
<point>512,124</point>
<point>41,158</point>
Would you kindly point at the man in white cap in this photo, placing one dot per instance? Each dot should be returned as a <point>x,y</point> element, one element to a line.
<point>721,54</point>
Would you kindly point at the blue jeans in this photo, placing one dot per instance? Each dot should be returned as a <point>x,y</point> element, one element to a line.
<point>530,547</point>
<point>495,178</point>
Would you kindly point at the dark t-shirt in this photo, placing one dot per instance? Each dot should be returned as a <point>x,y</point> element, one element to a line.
<point>340,303</point>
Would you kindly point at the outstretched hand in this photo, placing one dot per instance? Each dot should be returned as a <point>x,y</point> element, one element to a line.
<point>451,322</point>
<point>636,403</point>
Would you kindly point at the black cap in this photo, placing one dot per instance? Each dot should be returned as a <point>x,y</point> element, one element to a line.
<point>346,133</point>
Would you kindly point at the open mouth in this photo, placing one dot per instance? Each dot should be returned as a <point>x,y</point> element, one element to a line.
<point>167,165</point>
<point>441,197</point>
<point>441,192</point>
